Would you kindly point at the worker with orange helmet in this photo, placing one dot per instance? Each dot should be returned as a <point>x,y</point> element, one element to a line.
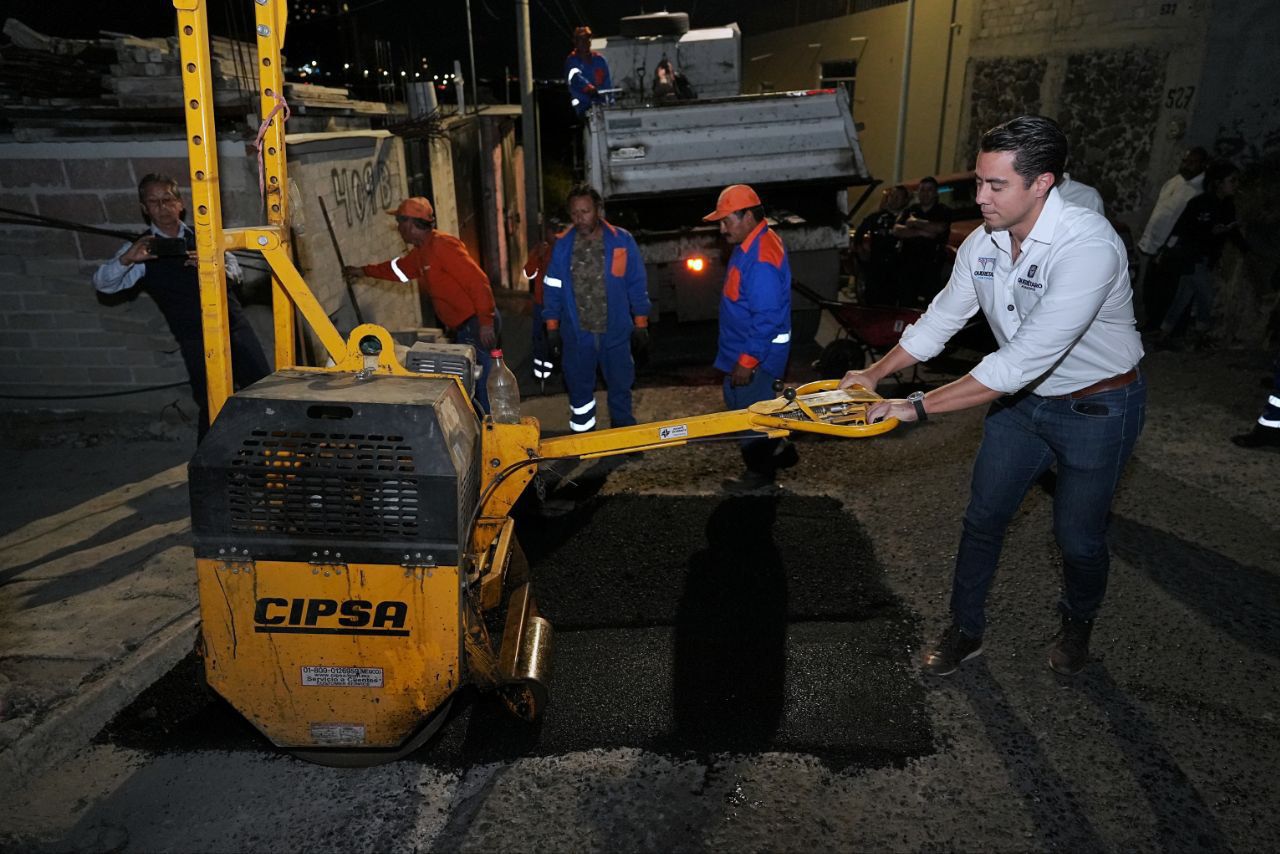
<point>449,281</point>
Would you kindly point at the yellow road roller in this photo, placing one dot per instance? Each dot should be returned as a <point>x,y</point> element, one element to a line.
<point>356,560</point>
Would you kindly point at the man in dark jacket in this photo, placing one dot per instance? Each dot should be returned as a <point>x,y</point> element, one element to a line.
<point>173,283</point>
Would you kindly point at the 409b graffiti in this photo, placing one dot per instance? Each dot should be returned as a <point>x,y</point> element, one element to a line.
<point>361,192</point>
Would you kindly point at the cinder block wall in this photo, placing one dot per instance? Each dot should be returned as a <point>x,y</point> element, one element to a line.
<point>60,341</point>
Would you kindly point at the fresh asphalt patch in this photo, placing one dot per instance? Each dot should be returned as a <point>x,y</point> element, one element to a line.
<point>686,625</point>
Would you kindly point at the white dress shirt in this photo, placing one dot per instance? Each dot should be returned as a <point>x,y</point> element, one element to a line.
<point>1075,193</point>
<point>1174,195</point>
<point>115,276</point>
<point>1062,313</point>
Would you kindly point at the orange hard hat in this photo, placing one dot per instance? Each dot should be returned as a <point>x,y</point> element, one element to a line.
<point>735,197</point>
<point>418,207</point>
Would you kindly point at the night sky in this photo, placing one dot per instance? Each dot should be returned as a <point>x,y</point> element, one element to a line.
<point>412,29</point>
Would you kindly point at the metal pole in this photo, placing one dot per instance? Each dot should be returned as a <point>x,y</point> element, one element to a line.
<point>946,86</point>
<point>529,128</point>
<point>902,99</point>
<point>471,49</point>
<point>337,250</point>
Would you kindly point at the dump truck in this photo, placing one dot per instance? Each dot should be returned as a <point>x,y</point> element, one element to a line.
<point>356,558</point>
<point>660,164</point>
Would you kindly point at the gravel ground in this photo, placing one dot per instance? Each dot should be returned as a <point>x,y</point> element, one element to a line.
<point>1167,742</point>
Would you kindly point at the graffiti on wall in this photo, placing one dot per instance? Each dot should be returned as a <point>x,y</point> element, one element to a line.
<point>361,191</point>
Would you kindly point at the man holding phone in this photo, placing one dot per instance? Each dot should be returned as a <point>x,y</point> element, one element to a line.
<point>163,263</point>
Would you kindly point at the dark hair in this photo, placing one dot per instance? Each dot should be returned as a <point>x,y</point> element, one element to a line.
<point>580,190</point>
<point>1038,144</point>
<point>160,179</point>
<point>756,211</point>
<point>1217,172</point>
<point>929,179</point>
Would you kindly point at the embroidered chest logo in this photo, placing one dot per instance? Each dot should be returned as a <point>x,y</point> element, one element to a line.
<point>1027,283</point>
<point>988,268</point>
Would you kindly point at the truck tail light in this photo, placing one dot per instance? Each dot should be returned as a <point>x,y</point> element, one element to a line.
<point>696,264</point>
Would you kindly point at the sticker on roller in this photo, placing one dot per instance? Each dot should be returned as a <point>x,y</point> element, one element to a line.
<point>332,735</point>
<point>342,677</point>
<point>676,431</point>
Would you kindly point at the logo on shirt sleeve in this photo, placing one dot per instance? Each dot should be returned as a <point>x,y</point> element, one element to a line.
<point>987,266</point>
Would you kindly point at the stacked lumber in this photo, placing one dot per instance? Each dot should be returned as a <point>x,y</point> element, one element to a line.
<point>120,83</point>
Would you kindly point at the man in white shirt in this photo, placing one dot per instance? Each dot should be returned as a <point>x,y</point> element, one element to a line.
<point>1156,286</point>
<point>169,277</point>
<point>1064,388</point>
<point>1075,193</point>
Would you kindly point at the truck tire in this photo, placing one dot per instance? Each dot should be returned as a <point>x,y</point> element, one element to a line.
<point>656,24</point>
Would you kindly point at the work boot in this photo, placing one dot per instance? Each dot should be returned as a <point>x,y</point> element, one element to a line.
<point>949,651</point>
<point>1070,652</point>
<point>750,482</point>
<point>1258,437</point>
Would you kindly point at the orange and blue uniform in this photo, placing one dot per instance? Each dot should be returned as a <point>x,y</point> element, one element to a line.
<point>627,296</point>
<point>755,306</point>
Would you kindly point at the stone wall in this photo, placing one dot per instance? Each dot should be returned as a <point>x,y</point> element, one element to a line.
<point>1107,108</point>
<point>1134,85</point>
<point>61,341</point>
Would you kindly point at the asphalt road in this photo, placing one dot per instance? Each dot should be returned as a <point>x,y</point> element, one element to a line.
<point>738,673</point>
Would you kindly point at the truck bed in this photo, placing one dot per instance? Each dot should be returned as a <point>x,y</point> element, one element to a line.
<point>693,146</point>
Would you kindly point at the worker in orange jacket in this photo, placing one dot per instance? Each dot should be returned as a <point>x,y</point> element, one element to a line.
<point>448,277</point>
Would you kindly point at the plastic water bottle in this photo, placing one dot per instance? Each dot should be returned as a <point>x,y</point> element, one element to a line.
<point>504,393</point>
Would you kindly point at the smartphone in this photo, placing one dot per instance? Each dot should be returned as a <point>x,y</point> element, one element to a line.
<point>168,247</point>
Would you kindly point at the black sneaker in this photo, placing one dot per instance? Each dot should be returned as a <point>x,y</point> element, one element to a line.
<point>1259,437</point>
<point>1070,652</point>
<point>949,651</point>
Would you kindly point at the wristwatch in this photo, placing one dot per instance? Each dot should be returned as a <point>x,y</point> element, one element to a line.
<point>917,400</point>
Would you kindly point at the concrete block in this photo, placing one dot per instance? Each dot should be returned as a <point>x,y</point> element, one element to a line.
<point>144,375</point>
<point>109,374</point>
<point>98,174</point>
<point>77,207</point>
<point>175,167</point>
<point>98,338</point>
<point>33,321</point>
<point>126,323</point>
<point>97,248</point>
<point>31,173</point>
<point>62,264</point>
<point>17,202</point>
<point>47,302</point>
<point>15,339</point>
<point>10,263</point>
<point>38,243</point>
<point>133,358</point>
<point>123,210</point>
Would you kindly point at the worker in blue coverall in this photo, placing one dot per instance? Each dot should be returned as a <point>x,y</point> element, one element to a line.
<point>587,74</point>
<point>755,327</point>
<point>596,305</point>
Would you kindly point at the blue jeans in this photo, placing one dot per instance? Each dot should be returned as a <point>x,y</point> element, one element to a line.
<point>1089,440</point>
<point>469,333</point>
<point>1194,288</point>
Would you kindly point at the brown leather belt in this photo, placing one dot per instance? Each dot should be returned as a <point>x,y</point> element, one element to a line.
<point>1109,384</point>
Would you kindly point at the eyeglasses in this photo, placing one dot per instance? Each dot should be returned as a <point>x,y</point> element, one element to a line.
<point>163,200</point>
<point>420,223</point>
